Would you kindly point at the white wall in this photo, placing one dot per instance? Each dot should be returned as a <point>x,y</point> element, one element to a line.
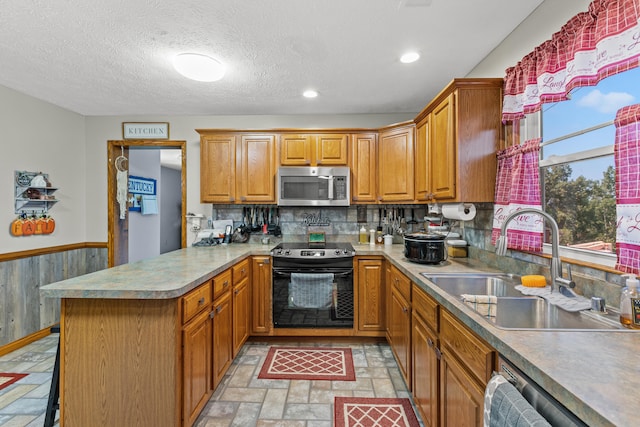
<point>38,136</point>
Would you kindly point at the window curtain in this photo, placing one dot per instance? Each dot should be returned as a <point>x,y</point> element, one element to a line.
<point>627,162</point>
<point>518,187</point>
<point>592,45</point>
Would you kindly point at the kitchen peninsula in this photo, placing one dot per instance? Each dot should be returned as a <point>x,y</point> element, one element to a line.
<point>121,355</point>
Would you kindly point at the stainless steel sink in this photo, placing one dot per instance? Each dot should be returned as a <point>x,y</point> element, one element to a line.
<point>536,313</point>
<point>456,284</point>
<point>517,311</point>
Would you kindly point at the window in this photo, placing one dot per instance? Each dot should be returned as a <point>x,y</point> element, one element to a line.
<point>577,165</point>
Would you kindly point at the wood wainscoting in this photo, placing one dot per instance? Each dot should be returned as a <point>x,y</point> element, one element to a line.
<point>25,313</point>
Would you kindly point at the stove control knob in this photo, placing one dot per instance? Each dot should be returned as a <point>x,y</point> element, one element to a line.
<point>345,251</point>
<point>338,252</point>
<point>287,252</point>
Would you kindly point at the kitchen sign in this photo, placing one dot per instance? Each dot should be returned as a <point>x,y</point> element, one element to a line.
<point>155,130</point>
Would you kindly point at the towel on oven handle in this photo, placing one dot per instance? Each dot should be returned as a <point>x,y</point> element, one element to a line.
<point>311,290</point>
<point>504,406</point>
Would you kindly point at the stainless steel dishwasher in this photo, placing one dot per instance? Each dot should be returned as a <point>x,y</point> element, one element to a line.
<point>545,404</point>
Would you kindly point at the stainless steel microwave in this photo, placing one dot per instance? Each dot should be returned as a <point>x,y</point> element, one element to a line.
<point>314,186</point>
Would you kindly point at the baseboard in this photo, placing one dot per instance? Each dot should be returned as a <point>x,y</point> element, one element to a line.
<point>15,345</point>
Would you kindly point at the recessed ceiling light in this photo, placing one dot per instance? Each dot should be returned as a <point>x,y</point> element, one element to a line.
<point>310,93</point>
<point>198,67</point>
<point>409,57</point>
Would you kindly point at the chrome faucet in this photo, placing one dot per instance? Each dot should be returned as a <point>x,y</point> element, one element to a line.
<point>558,283</point>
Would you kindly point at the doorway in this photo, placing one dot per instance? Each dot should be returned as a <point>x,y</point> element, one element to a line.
<point>118,154</point>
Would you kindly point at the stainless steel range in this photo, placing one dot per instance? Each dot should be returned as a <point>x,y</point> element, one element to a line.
<point>313,285</point>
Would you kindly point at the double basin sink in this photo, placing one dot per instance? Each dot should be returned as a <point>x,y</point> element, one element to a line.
<point>515,310</point>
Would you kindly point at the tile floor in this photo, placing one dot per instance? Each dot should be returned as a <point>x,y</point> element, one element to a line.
<point>240,400</point>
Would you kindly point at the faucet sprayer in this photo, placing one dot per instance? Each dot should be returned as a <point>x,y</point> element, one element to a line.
<point>557,281</point>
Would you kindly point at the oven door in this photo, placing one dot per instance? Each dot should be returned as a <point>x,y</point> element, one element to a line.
<point>312,298</point>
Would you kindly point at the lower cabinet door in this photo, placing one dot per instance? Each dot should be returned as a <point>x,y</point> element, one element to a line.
<point>222,337</point>
<point>196,366</point>
<point>425,372</point>
<point>241,315</point>
<point>461,397</point>
<point>400,332</point>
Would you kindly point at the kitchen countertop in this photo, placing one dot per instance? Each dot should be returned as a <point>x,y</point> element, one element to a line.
<point>593,373</point>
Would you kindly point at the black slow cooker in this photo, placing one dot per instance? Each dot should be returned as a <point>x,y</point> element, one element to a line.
<point>425,248</point>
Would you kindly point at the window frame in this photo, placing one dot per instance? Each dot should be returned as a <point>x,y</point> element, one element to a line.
<point>530,128</point>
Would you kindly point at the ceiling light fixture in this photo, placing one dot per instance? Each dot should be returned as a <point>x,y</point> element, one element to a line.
<point>198,67</point>
<point>409,57</point>
<point>310,93</point>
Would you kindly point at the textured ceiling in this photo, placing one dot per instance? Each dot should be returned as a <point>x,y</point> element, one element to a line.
<point>113,57</point>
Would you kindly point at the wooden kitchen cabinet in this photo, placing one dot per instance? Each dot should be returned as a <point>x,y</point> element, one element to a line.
<point>217,168</point>
<point>237,167</point>
<point>370,297</point>
<point>364,147</point>
<point>196,366</point>
<point>466,367</point>
<point>399,326</point>
<point>461,398</point>
<point>256,169</point>
<point>459,132</point>
<point>222,336</point>
<point>328,149</point>
<point>197,352</point>
<point>422,166</point>
<point>396,164</point>
<point>261,322</point>
<point>425,355</point>
<point>241,304</point>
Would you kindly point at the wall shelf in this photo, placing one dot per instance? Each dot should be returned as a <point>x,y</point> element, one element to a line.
<point>33,193</point>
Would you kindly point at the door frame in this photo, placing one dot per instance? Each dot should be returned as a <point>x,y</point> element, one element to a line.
<point>116,226</point>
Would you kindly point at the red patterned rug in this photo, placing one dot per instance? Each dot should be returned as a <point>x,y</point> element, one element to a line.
<point>308,363</point>
<point>374,412</point>
<point>7,379</point>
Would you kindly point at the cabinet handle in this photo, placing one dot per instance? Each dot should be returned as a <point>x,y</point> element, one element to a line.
<point>243,199</point>
<point>429,342</point>
<point>225,283</point>
<point>232,199</point>
<point>438,353</point>
<point>212,314</point>
<point>201,301</point>
<point>243,271</point>
<point>404,310</point>
<point>218,309</point>
<point>236,291</point>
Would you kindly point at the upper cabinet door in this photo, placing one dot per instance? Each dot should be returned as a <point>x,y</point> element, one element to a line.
<point>331,149</point>
<point>442,150</point>
<point>423,168</point>
<point>363,167</point>
<point>257,166</point>
<point>217,168</point>
<point>295,150</point>
<point>395,164</point>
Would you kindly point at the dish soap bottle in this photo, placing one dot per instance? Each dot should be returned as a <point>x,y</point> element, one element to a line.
<point>630,303</point>
<point>363,236</point>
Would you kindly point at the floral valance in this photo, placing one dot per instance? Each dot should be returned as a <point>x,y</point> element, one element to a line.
<point>595,44</point>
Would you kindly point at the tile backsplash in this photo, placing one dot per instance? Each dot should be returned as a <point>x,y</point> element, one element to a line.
<point>342,225</point>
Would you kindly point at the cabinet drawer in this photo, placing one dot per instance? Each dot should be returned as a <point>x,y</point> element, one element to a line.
<point>425,307</point>
<point>240,271</point>
<point>474,353</point>
<point>195,301</point>
<point>221,283</point>
<point>401,283</point>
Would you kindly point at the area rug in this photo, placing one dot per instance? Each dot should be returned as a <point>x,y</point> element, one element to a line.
<point>374,412</point>
<point>7,379</point>
<point>308,363</point>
